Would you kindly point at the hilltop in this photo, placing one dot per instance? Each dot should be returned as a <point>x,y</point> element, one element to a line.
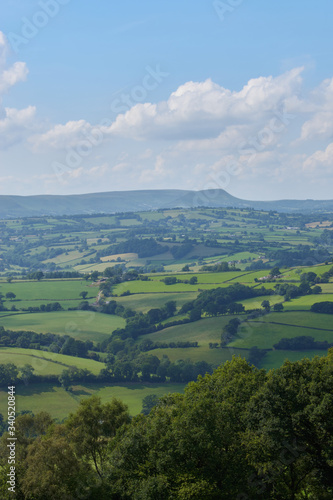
<point>131,201</point>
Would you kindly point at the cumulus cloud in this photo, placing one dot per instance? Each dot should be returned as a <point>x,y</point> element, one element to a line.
<point>200,110</point>
<point>206,135</point>
<point>196,111</point>
<point>15,125</point>
<point>13,122</point>
<point>320,124</point>
<point>62,136</point>
<point>320,160</point>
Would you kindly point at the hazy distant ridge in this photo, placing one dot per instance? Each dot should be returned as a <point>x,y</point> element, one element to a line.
<point>128,201</point>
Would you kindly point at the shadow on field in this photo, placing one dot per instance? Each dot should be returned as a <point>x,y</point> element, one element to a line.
<point>80,392</point>
<point>31,389</point>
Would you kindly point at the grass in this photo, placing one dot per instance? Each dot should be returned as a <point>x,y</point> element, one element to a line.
<point>48,291</point>
<point>158,287</point>
<point>59,403</point>
<point>214,356</point>
<point>264,335</point>
<point>83,325</point>
<point>202,331</point>
<point>275,359</point>
<point>306,301</point>
<point>46,363</point>
<point>308,318</point>
<point>255,302</point>
<point>123,256</point>
<point>64,259</point>
<point>144,302</point>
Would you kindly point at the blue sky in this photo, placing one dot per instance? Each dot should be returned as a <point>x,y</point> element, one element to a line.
<point>233,94</point>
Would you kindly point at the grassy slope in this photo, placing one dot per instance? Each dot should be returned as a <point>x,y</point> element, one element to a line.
<point>307,301</point>
<point>59,403</point>
<point>144,302</point>
<point>46,363</point>
<point>83,325</point>
<point>274,359</point>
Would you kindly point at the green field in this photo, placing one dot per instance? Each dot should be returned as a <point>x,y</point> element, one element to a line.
<point>83,325</point>
<point>274,359</point>
<point>214,356</point>
<point>264,333</point>
<point>306,301</point>
<point>202,331</point>
<point>48,291</point>
<point>146,301</point>
<point>59,403</point>
<point>255,302</point>
<point>158,287</point>
<point>306,318</point>
<point>46,363</point>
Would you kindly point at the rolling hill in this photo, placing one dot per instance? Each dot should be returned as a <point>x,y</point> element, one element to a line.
<point>128,201</point>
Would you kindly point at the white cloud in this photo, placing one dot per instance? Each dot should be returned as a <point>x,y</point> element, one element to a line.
<point>62,136</point>
<point>200,110</point>
<point>320,160</point>
<point>9,77</point>
<point>13,122</point>
<point>320,124</point>
<point>204,134</point>
<point>15,125</point>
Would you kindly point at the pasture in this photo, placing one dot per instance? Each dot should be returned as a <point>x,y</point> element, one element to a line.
<point>46,363</point>
<point>48,290</point>
<point>144,302</point>
<point>265,334</point>
<point>82,325</point>
<point>203,331</point>
<point>195,354</point>
<point>59,403</point>
<point>274,359</point>
<point>306,301</point>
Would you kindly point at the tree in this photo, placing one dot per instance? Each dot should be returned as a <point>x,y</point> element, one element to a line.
<point>93,426</point>
<point>8,374</point>
<point>193,280</point>
<point>10,295</point>
<point>54,471</point>
<point>94,275</point>
<point>148,403</point>
<point>278,307</point>
<point>27,372</point>
<point>274,272</point>
<point>83,295</point>
<point>288,437</point>
<point>266,305</point>
<point>195,314</point>
<point>188,447</point>
<point>170,307</point>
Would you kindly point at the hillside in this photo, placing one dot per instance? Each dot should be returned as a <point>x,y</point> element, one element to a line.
<point>131,201</point>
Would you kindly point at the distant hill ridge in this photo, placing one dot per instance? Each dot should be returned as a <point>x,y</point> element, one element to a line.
<point>133,201</point>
